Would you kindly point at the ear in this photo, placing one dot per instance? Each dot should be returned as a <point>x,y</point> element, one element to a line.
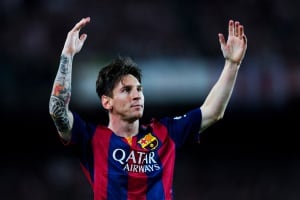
<point>106,102</point>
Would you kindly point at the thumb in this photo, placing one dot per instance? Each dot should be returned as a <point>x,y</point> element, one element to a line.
<point>83,37</point>
<point>221,40</point>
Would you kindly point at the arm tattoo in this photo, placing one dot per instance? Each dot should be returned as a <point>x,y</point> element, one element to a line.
<point>61,94</point>
<point>62,83</point>
<point>59,114</point>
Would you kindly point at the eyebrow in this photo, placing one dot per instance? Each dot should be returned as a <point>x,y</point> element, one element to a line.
<point>139,86</point>
<point>131,86</point>
<point>124,85</point>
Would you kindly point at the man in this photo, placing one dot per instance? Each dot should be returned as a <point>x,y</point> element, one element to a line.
<point>124,159</point>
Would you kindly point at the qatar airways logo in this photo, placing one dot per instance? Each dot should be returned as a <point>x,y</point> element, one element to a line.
<point>136,161</point>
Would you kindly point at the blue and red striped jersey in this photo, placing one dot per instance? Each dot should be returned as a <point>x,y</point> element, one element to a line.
<point>137,168</point>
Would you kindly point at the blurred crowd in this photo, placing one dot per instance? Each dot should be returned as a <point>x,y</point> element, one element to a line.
<point>33,33</point>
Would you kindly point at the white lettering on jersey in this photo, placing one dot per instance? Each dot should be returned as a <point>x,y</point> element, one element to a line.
<point>136,161</point>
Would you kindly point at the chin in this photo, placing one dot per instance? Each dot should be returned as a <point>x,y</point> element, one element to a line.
<point>135,118</point>
<point>139,115</point>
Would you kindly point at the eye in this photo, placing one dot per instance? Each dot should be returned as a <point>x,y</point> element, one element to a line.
<point>140,88</point>
<point>126,89</point>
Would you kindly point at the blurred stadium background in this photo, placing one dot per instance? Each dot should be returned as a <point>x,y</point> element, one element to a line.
<point>253,153</point>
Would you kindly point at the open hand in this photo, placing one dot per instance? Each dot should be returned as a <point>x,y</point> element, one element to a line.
<point>235,47</point>
<point>74,43</point>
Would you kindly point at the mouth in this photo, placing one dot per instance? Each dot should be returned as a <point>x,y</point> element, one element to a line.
<point>137,106</point>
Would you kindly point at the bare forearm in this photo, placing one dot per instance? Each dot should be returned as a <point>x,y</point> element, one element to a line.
<point>61,94</point>
<point>220,94</point>
<point>217,100</point>
<point>233,50</point>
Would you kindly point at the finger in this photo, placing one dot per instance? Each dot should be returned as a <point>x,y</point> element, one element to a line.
<point>81,23</point>
<point>83,37</point>
<point>245,39</point>
<point>236,28</point>
<point>230,28</point>
<point>241,31</point>
<point>221,39</point>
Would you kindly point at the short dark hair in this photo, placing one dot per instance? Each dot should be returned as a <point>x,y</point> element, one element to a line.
<point>112,73</point>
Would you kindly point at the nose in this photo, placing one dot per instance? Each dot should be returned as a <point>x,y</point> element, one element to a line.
<point>137,94</point>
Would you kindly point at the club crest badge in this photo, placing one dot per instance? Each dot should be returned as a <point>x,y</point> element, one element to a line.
<point>148,142</point>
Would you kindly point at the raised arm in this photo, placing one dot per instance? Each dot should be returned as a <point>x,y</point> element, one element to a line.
<point>61,91</point>
<point>233,50</point>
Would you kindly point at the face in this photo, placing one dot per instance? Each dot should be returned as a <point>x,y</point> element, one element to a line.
<point>128,99</point>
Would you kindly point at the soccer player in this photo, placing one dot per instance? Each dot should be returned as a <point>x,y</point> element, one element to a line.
<point>124,159</point>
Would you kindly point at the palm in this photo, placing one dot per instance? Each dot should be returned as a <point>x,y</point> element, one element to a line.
<point>235,47</point>
<point>74,43</point>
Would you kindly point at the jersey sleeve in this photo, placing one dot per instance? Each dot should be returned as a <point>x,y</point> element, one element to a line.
<point>82,131</point>
<point>82,134</point>
<point>184,127</point>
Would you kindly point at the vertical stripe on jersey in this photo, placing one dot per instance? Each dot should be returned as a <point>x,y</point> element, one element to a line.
<point>137,182</point>
<point>99,143</point>
<point>167,155</point>
<point>117,177</point>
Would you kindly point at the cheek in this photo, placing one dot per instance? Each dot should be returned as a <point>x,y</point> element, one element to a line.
<point>142,97</point>
<point>121,101</point>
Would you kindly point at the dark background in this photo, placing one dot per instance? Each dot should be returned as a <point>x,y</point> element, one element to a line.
<point>253,153</point>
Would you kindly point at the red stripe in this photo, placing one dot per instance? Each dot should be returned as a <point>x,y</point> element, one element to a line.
<point>167,155</point>
<point>100,142</point>
<point>136,187</point>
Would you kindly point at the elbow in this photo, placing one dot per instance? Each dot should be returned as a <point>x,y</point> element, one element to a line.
<point>62,118</point>
<point>217,118</point>
<point>211,115</point>
<point>220,116</point>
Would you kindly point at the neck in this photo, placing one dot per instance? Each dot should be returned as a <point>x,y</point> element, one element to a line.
<point>124,128</point>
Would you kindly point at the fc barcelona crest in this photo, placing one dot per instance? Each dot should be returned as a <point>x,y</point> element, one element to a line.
<point>148,142</point>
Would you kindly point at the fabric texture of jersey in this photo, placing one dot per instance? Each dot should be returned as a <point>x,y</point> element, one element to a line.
<point>137,168</point>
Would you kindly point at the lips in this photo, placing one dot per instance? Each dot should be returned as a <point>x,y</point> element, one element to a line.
<point>137,106</point>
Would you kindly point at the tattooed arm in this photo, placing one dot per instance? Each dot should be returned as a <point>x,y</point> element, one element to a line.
<point>61,92</point>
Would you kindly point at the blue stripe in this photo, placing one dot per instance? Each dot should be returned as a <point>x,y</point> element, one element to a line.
<point>118,178</point>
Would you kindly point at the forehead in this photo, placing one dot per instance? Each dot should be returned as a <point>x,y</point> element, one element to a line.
<point>128,80</point>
